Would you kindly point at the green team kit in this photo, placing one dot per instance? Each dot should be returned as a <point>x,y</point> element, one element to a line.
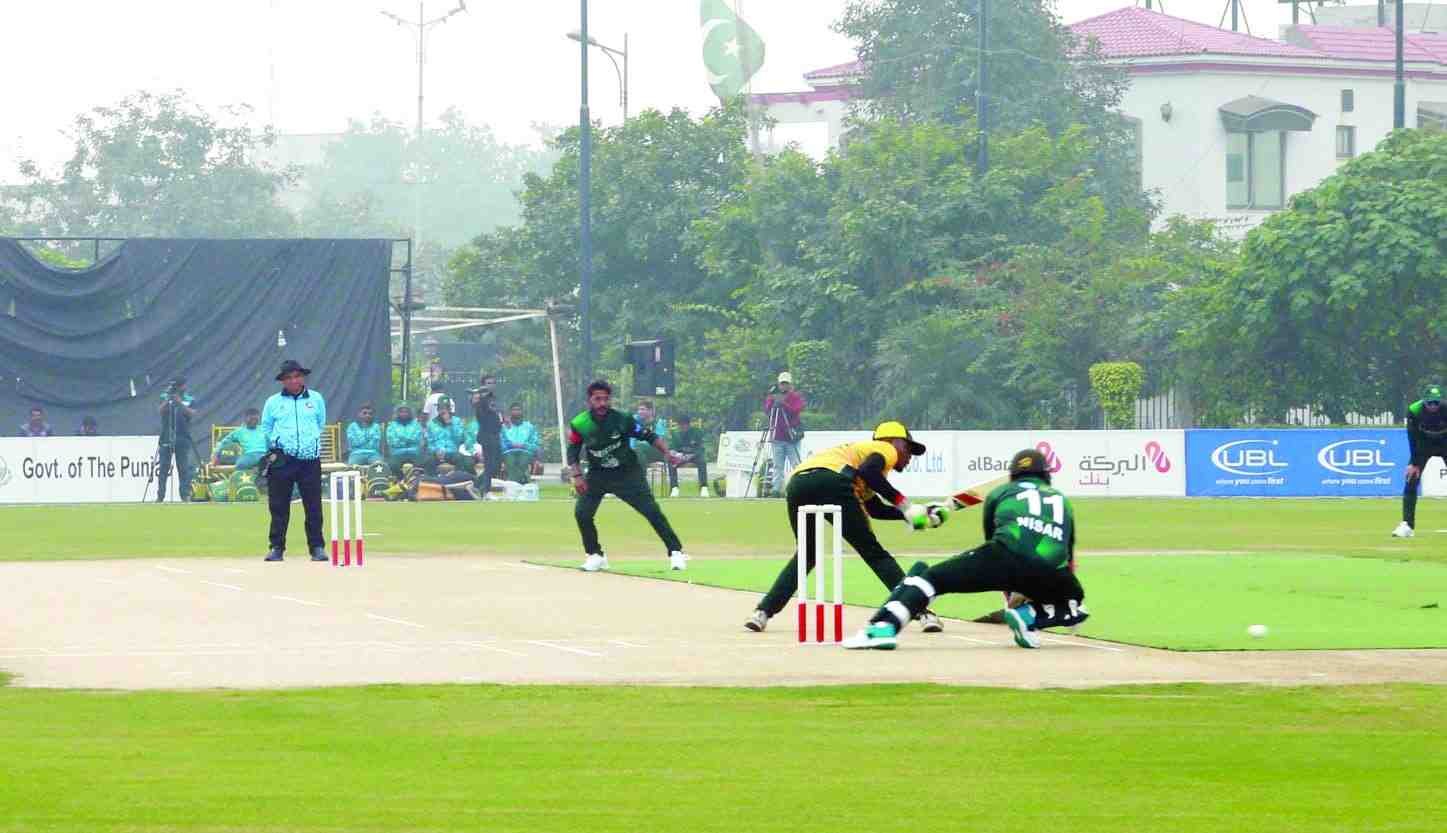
<point>613,468</point>
<point>1029,549</point>
<point>1426,438</point>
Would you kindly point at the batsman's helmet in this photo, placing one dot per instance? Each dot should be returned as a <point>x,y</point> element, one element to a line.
<point>1029,462</point>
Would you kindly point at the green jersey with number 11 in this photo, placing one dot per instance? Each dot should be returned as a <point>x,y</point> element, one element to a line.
<point>1029,517</point>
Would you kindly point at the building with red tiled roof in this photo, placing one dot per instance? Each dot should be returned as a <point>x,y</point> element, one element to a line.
<point>1228,125</point>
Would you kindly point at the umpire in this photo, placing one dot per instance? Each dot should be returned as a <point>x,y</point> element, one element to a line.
<point>293,420</point>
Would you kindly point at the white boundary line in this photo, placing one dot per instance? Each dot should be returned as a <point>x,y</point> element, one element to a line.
<point>395,621</point>
<point>555,646</point>
<point>298,601</point>
<point>222,584</point>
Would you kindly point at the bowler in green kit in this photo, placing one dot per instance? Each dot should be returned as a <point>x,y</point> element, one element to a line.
<point>1029,548</point>
<point>602,434</point>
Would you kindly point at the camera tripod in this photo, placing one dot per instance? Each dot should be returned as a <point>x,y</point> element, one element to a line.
<point>161,447</point>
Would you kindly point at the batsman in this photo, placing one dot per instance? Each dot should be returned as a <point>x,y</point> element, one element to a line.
<point>1029,547</point>
<point>853,476</point>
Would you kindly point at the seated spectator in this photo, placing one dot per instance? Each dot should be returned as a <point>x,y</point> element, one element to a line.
<point>430,405</point>
<point>249,439</point>
<point>404,440</point>
<point>521,445</point>
<point>364,438</point>
<point>88,428</point>
<point>448,443</point>
<point>36,426</point>
<point>647,454</point>
<point>689,444</point>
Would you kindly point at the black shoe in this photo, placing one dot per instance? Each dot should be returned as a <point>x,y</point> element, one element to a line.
<point>319,554</point>
<point>273,555</point>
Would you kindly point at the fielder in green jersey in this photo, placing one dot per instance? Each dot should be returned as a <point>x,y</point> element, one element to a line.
<point>1029,548</point>
<point>1426,438</point>
<point>602,434</point>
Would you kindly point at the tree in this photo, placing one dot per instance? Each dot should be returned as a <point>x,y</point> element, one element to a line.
<point>156,165</point>
<point>1335,303</point>
<point>369,176</point>
<point>920,60</point>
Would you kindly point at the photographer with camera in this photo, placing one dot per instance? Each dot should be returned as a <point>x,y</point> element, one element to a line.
<point>293,421</point>
<point>176,413</point>
<point>489,430</point>
<point>785,430</point>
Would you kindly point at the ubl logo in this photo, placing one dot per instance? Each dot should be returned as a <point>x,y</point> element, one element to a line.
<point>1354,457</point>
<point>1248,457</point>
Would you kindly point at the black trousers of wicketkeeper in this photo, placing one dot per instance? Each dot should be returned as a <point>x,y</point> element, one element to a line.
<point>630,487</point>
<point>306,475</point>
<point>1055,592</point>
<point>1412,488</point>
<point>825,487</point>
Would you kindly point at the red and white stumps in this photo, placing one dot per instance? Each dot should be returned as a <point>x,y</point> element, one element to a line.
<point>809,523</point>
<point>346,495</point>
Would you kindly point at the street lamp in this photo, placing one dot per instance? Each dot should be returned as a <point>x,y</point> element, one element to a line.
<point>610,52</point>
<point>420,27</point>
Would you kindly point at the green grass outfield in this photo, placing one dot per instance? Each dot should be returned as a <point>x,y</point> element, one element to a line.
<point>1186,602</point>
<point>499,759</point>
<point>1172,573</point>
<point>1357,528</point>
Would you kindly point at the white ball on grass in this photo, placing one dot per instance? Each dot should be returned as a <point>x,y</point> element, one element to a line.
<point>1257,631</point>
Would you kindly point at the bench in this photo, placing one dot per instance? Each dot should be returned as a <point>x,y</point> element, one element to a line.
<point>331,448</point>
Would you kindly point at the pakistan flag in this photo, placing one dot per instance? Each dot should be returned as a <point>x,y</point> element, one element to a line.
<point>732,50</point>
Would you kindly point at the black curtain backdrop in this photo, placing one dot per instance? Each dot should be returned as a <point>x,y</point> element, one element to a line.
<point>104,341</point>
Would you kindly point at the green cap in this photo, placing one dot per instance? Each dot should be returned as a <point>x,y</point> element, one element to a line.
<point>1433,393</point>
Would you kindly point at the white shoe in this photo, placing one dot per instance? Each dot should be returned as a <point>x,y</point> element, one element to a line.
<point>673,493</point>
<point>929,622</point>
<point>1403,531</point>
<point>703,492</point>
<point>677,560</point>
<point>595,562</point>
<point>757,621</point>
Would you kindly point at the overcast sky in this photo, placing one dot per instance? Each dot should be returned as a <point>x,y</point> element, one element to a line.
<point>504,63</point>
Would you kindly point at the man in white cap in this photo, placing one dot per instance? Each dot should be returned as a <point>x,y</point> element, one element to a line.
<point>782,408</point>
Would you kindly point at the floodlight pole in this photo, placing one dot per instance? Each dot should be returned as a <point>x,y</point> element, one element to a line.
<point>1399,88</point>
<point>420,27</point>
<point>982,98</point>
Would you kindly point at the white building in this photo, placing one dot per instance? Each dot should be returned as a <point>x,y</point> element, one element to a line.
<point>1229,125</point>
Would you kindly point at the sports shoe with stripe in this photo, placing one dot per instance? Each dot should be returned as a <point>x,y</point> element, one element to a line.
<point>878,636</point>
<point>1022,623</point>
<point>1403,530</point>
<point>595,562</point>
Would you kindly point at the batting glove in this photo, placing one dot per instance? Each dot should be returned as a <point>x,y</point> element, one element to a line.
<point>917,516</point>
<point>937,513</point>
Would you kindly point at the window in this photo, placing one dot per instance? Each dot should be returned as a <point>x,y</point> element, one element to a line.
<point>1346,142</point>
<point>1432,115</point>
<point>1255,169</point>
<point>1348,102</point>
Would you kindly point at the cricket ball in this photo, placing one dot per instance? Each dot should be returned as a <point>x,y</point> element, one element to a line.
<point>1257,631</point>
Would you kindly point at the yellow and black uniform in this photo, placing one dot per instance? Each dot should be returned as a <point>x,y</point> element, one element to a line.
<point>854,477</point>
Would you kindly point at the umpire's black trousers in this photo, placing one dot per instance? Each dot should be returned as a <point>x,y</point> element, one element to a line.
<point>306,475</point>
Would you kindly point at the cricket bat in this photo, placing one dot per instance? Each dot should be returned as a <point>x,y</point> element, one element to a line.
<point>976,494</point>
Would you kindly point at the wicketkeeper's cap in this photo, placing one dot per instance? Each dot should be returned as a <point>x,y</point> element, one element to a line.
<point>1028,461</point>
<point>1433,393</point>
<point>786,378</point>
<point>896,431</point>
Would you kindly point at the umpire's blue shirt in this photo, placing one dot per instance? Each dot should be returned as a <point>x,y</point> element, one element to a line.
<point>295,423</point>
